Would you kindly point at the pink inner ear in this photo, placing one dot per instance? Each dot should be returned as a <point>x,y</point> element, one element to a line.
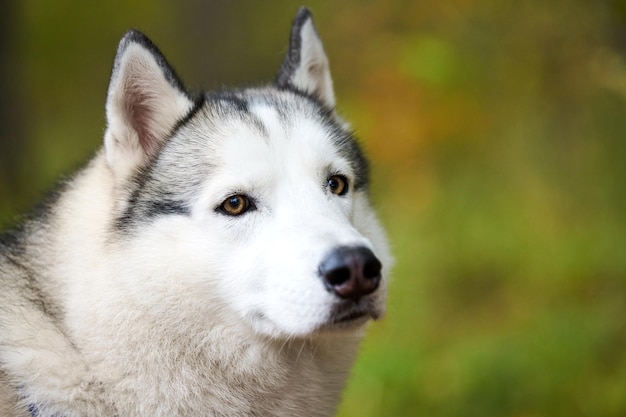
<point>141,115</point>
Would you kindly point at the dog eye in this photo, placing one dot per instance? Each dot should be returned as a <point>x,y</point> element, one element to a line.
<point>338,184</point>
<point>236,205</point>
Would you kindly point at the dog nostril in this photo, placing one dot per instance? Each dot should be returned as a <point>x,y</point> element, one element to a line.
<point>372,268</point>
<point>337,276</point>
<point>351,272</point>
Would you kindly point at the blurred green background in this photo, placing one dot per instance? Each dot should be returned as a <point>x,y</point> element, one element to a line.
<point>497,131</point>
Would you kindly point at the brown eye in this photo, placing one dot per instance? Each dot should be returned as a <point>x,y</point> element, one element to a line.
<point>338,184</point>
<point>236,205</point>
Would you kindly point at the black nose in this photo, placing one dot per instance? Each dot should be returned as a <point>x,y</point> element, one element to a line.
<point>351,272</point>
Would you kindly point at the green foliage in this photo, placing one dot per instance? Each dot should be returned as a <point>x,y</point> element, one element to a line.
<point>430,60</point>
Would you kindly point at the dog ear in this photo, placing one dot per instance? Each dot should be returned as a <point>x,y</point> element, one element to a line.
<point>145,100</point>
<point>305,66</point>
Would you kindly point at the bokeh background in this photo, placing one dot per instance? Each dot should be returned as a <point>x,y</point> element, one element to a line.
<point>497,131</point>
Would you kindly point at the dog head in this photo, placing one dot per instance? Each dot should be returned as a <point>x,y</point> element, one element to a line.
<point>254,200</point>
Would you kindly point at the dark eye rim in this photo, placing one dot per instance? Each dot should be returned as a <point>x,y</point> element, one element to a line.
<point>248,205</point>
<point>343,180</point>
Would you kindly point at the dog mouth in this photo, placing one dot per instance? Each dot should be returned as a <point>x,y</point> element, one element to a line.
<point>349,317</point>
<point>353,313</point>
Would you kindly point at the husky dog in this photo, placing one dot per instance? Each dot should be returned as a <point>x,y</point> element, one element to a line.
<point>217,257</point>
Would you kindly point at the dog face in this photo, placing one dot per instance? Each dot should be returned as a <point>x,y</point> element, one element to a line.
<point>252,199</point>
<point>285,210</point>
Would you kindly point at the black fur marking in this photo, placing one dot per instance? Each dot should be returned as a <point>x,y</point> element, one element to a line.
<point>294,53</point>
<point>350,149</point>
<point>139,206</point>
<point>348,146</point>
<point>165,207</point>
<point>150,199</point>
<point>231,97</point>
<point>137,183</point>
<point>135,36</point>
<point>24,278</point>
<point>198,102</point>
<point>235,102</point>
<point>11,243</point>
<point>311,97</point>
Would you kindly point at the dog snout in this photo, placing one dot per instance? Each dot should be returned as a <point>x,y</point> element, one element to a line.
<point>351,272</point>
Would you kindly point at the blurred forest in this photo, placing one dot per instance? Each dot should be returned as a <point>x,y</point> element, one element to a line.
<point>497,131</point>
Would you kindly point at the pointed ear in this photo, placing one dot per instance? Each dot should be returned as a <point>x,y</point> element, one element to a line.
<point>305,66</point>
<point>145,100</point>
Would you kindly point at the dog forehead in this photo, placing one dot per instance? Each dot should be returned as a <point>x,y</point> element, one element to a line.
<point>296,129</point>
<point>278,138</point>
<point>268,129</point>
